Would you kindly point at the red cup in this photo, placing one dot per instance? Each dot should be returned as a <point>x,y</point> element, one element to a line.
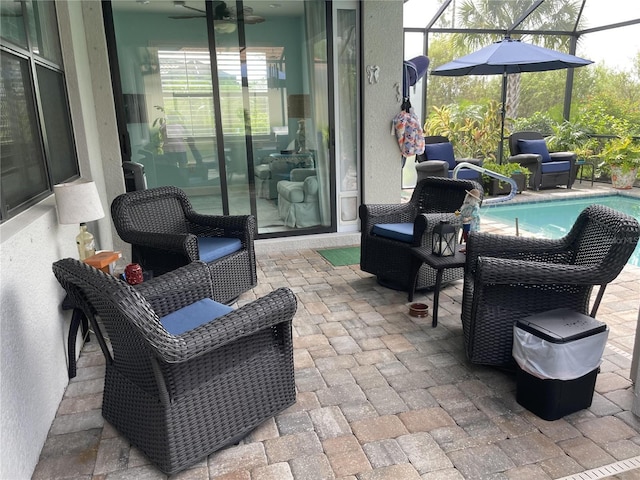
<point>133,274</point>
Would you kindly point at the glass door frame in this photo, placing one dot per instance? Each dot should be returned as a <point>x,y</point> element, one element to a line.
<point>125,141</point>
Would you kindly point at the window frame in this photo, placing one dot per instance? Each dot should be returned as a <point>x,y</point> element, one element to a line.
<point>35,61</point>
<point>237,128</point>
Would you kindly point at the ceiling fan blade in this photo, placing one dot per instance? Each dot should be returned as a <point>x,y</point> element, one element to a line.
<point>222,13</point>
<point>185,17</point>
<point>253,19</point>
<point>249,17</point>
<point>194,9</point>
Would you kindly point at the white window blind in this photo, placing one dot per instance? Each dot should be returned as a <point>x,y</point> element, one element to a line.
<point>187,91</point>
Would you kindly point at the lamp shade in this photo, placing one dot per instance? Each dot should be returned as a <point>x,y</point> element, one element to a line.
<point>299,106</point>
<point>77,202</point>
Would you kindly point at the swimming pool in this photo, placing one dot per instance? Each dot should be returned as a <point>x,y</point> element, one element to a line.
<point>553,219</point>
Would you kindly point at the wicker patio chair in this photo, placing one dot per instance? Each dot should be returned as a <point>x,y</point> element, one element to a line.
<point>433,199</point>
<point>165,233</point>
<point>548,169</point>
<point>179,398</point>
<point>438,160</point>
<point>509,278</point>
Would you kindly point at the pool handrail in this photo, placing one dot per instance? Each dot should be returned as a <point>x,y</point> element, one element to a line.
<point>491,173</point>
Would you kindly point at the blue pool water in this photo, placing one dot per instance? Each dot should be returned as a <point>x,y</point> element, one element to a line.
<point>553,219</point>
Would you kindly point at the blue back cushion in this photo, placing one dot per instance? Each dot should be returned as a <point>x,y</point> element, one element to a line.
<point>402,232</point>
<point>440,151</point>
<point>212,248</point>
<point>192,316</point>
<point>539,147</point>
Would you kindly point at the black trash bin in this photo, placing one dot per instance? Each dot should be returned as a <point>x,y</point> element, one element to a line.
<point>558,355</point>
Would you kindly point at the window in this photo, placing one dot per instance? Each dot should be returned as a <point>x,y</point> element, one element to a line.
<point>36,143</point>
<point>187,91</point>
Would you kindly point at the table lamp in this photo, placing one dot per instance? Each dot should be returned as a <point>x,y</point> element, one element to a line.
<point>299,106</point>
<point>79,202</point>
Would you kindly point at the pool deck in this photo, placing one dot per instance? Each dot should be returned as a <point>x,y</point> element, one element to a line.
<point>383,395</point>
<point>579,190</point>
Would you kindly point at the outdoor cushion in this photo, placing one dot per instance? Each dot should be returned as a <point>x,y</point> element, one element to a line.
<point>466,174</point>
<point>539,147</point>
<point>441,151</point>
<point>192,316</point>
<point>553,167</point>
<point>402,232</point>
<point>212,248</point>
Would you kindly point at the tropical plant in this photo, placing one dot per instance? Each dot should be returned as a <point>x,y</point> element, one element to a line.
<point>572,137</point>
<point>473,130</point>
<point>622,152</point>
<point>538,122</point>
<point>157,131</point>
<point>505,169</point>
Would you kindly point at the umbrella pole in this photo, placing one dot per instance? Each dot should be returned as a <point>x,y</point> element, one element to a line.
<point>503,113</point>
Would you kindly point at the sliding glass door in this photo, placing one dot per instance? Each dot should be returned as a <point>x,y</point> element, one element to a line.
<point>229,101</point>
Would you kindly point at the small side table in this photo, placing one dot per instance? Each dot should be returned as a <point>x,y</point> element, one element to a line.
<point>78,319</point>
<point>424,255</point>
<point>580,164</point>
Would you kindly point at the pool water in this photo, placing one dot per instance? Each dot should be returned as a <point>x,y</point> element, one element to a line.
<point>553,219</point>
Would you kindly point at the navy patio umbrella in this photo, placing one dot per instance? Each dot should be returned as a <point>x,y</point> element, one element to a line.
<point>508,56</point>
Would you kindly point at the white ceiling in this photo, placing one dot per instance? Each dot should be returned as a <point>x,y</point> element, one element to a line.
<point>264,8</point>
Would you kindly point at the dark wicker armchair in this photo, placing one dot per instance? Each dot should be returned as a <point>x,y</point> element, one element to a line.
<point>509,278</point>
<point>179,398</point>
<point>433,199</point>
<point>165,233</point>
<point>438,160</point>
<point>548,169</point>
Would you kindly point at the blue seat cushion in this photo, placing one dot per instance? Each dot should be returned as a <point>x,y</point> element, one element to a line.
<point>440,151</point>
<point>212,248</point>
<point>466,174</point>
<point>402,232</point>
<point>555,167</point>
<point>192,316</point>
<point>539,147</point>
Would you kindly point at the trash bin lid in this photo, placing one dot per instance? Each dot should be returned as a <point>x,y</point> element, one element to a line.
<point>561,325</point>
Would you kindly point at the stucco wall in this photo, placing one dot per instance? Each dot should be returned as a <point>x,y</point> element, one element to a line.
<point>33,328</point>
<point>99,113</point>
<point>33,368</point>
<point>381,46</point>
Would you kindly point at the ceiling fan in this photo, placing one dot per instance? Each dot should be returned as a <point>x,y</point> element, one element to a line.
<point>225,18</point>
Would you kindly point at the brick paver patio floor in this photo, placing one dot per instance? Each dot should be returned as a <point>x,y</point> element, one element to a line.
<point>381,396</point>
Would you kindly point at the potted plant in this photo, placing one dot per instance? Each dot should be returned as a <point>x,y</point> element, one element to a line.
<point>494,186</point>
<point>157,132</point>
<point>621,155</point>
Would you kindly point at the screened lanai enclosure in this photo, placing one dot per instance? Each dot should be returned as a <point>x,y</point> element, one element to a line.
<point>576,108</point>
